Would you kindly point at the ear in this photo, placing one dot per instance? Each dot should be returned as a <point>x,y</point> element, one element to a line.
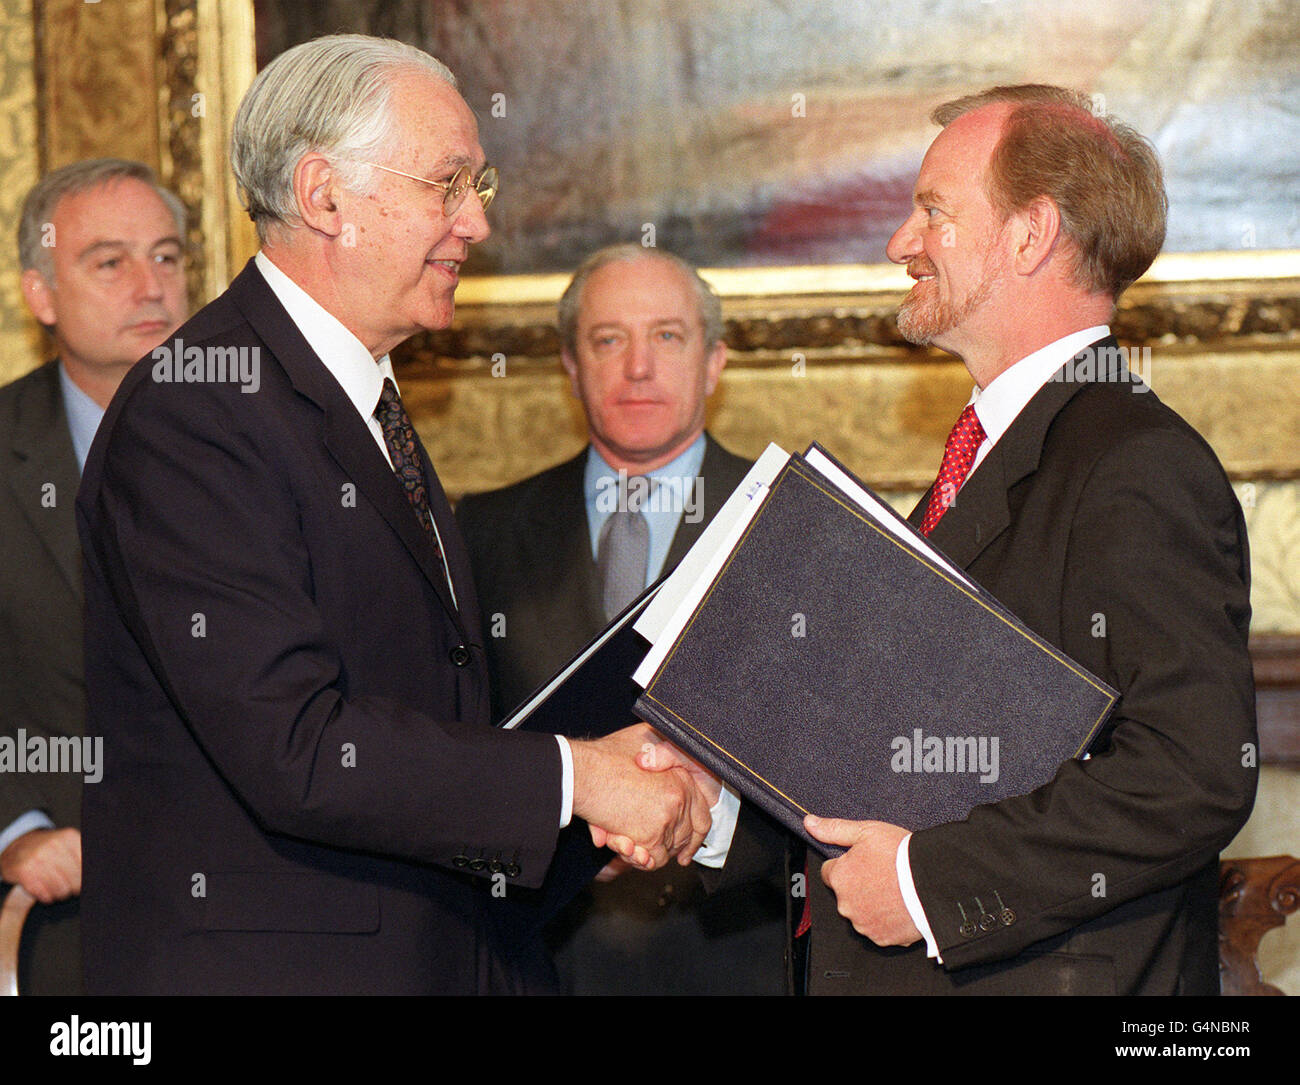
<point>571,367</point>
<point>39,295</point>
<point>713,367</point>
<point>316,191</point>
<point>1037,229</point>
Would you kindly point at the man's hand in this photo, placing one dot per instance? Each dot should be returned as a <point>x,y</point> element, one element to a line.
<point>865,878</point>
<point>658,754</point>
<point>647,817</point>
<point>45,862</point>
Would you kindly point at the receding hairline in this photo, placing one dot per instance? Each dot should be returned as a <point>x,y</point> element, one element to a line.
<point>646,255</point>
<point>642,255</point>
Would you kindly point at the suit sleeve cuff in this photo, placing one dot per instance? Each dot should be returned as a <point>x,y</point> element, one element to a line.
<point>903,868</point>
<point>725,813</point>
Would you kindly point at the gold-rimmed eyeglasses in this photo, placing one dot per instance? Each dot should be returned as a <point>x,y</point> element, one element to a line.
<point>455,190</point>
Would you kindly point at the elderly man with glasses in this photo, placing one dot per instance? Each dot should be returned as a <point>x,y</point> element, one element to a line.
<point>301,792</point>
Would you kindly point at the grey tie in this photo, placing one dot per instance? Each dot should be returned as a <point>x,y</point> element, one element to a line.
<point>624,549</point>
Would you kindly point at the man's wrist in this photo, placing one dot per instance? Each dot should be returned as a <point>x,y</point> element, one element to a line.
<point>22,825</point>
<point>911,900</point>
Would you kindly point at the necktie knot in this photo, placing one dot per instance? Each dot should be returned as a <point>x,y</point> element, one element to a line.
<point>389,409</point>
<point>634,492</point>
<point>958,455</point>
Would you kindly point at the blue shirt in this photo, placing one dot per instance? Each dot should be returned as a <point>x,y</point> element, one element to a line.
<point>84,416</point>
<point>676,493</point>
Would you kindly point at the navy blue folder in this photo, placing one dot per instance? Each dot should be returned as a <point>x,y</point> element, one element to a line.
<point>832,669</point>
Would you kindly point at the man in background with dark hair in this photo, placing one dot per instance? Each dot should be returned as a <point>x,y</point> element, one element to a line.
<point>558,554</point>
<point>101,248</point>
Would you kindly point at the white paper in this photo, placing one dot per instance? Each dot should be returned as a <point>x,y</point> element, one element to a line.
<point>883,516</point>
<point>680,594</point>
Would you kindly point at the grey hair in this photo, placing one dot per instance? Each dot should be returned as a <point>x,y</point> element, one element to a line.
<point>707,302</point>
<point>329,95</point>
<point>38,207</point>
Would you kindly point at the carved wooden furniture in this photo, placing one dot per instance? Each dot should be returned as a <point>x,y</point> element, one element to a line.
<point>13,912</point>
<point>1255,895</point>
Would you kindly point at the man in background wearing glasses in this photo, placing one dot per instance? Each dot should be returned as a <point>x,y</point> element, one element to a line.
<point>301,793</point>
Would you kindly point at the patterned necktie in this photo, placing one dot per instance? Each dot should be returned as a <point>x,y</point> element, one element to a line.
<point>958,454</point>
<point>399,436</point>
<point>623,551</point>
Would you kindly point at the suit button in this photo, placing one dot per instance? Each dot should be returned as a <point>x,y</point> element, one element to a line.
<point>477,864</point>
<point>1008,917</point>
<point>494,866</point>
<point>459,655</point>
<point>512,870</point>
<point>460,861</point>
<point>967,929</point>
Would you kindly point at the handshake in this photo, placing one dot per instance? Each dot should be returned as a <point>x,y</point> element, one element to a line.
<point>642,797</point>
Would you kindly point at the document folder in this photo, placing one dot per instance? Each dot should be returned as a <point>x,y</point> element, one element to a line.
<point>824,658</point>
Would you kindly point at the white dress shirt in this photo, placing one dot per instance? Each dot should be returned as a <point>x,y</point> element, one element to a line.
<point>997,406</point>
<point>362,377</point>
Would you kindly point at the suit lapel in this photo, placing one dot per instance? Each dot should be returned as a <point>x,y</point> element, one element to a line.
<point>43,454</point>
<point>564,537</point>
<point>346,436</point>
<point>981,511</point>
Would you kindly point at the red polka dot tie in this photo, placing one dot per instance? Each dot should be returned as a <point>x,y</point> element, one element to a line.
<point>958,454</point>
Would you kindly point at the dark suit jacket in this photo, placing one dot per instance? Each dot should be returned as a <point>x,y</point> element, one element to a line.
<point>531,553</point>
<point>41,687</point>
<point>298,763</point>
<point>530,547</point>
<point>1098,505</point>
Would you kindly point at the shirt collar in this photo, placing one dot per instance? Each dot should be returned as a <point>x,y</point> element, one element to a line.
<point>1010,391</point>
<point>685,466</point>
<point>342,353</point>
<point>83,414</point>
<point>664,509</point>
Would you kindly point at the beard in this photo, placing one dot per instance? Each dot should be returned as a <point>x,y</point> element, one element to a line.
<point>922,320</point>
